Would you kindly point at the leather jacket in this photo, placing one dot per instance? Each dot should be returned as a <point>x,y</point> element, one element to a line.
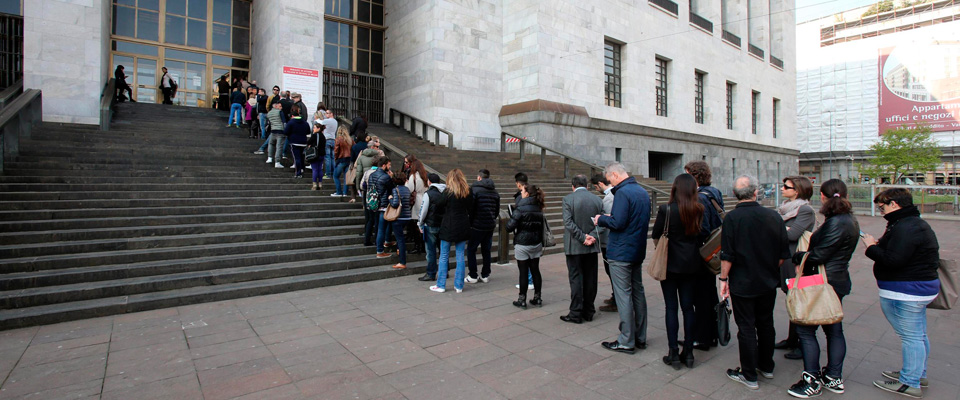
<point>832,246</point>
<point>527,221</point>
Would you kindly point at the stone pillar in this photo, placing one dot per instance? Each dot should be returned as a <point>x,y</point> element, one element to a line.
<point>66,53</point>
<point>285,34</point>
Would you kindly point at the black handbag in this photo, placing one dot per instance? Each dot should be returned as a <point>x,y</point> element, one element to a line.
<point>310,154</point>
<point>723,322</point>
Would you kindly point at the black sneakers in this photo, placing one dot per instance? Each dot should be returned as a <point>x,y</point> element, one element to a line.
<point>808,386</point>
<point>830,383</point>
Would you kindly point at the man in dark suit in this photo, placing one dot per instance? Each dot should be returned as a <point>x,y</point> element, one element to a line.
<point>581,247</point>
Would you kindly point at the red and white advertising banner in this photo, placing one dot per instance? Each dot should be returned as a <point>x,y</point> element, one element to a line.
<point>920,84</point>
<point>303,81</point>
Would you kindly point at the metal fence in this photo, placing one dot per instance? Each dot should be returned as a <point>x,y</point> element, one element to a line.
<point>943,200</point>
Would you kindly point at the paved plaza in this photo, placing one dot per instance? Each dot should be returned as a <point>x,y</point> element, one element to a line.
<point>394,339</point>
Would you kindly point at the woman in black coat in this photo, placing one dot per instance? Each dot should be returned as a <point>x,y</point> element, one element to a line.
<point>683,264</point>
<point>454,229</point>
<point>831,245</point>
<point>297,130</point>
<point>527,223</point>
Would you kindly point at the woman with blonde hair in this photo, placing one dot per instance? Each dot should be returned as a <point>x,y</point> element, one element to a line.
<point>455,202</point>
<point>341,155</point>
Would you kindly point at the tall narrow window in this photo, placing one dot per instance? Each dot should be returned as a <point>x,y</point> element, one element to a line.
<point>755,111</point>
<point>730,87</point>
<point>776,111</point>
<point>661,87</point>
<point>698,100</point>
<point>611,67</point>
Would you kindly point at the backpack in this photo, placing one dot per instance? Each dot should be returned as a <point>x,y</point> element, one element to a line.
<point>710,250</point>
<point>373,196</point>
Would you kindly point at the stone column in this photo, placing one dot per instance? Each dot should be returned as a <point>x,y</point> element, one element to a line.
<point>66,54</point>
<point>285,34</point>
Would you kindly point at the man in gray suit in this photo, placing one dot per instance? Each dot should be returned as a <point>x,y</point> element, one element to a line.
<point>581,247</point>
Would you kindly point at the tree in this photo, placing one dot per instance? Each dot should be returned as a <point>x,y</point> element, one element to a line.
<point>900,151</point>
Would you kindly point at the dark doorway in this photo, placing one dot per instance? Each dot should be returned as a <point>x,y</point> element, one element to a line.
<point>665,166</point>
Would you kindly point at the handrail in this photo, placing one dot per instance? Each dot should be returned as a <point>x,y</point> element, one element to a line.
<point>10,93</point>
<point>16,122</point>
<point>392,147</point>
<point>566,160</point>
<point>423,127</point>
<point>108,99</point>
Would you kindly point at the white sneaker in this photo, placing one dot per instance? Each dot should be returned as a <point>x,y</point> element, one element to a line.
<point>269,160</point>
<point>459,290</point>
<point>293,166</point>
<point>309,167</point>
<point>334,195</point>
<point>529,287</point>
<point>486,279</point>
<point>434,288</point>
<point>277,165</point>
<point>468,279</point>
<point>258,152</point>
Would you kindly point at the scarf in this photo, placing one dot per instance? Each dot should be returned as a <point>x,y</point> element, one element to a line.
<point>790,208</point>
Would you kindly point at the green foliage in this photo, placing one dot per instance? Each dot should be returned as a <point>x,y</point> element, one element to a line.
<point>881,6</point>
<point>900,151</point>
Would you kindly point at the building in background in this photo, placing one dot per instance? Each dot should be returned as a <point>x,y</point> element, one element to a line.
<point>653,84</point>
<point>861,73</point>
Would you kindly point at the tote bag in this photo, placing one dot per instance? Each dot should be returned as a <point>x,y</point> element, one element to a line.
<point>815,304</point>
<point>658,266</point>
<point>710,250</point>
<point>723,321</point>
<point>548,239</point>
<point>351,175</point>
<point>392,213</point>
<point>949,285</point>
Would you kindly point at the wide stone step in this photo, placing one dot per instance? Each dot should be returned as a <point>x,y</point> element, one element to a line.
<point>323,210</point>
<point>319,201</point>
<point>301,190</point>
<point>142,187</point>
<point>156,220</point>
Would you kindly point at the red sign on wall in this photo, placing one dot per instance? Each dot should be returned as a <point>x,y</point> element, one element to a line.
<point>920,84</point>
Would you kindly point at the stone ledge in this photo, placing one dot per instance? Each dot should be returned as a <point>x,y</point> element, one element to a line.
<point>542,105</point>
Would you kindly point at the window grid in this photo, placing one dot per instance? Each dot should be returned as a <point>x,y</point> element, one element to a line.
<point>612,71</point>
<point>698,100</point>
<point>354,36</point>
<point>755,111</point>
<point>661,87</point>
<point>730,86</point>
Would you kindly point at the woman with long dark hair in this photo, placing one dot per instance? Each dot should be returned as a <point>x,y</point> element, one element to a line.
<point>417,184</point>
<point>454,229</point>
<point>799,218</point>
<point>527,223</point>
<point>831,246</point>
<point>683,263</point>
<point>400,198</point>
<point>297,130</point>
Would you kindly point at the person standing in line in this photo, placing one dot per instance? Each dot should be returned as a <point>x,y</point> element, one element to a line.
<point>268,106</point>
<point>316,141</point>
<point>122,85</point>
<point>262,111</point>
<point>249,111</point>
<point>483,221</point>
<point>431,215</point>
<point>330,125</point>
<point>628,223</point>
<point>275,123</point>
<point>358,127</point>
<point>580,247</point>
<point>400,198</point>
<point>799,217</point>
<point>166,86</point>
<point>223,93</point>
<point>454,229</point>
<point>341,150</point>
<point>602,185</point>
<point>369,216</point>
<point>237,99</point>
<point>417,183</point>
<point>685,233</point>
<point>381,181</point>
<point>831,246</point>
<point>906,260</point>
<point>705,296</point>
<point>296,131</point>
<point>520,179</point>
<point>754,243</point>
<point>527,223</point>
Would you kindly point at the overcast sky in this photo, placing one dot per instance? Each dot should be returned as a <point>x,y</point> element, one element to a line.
<point>813,9</point>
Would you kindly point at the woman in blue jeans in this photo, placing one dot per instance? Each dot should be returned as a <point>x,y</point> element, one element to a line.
<point>906,259</point>
<point>831,246</point>
<point>341,152</point>
<point>455,201</point>
<point>400,198</point>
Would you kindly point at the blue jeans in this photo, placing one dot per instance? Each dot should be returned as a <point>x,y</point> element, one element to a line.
<point>235,109</point>
<point>445,264</point>
<point>338,171</point>
<point>430,237</point>
<point>909,320</point>
<point>383,228</point>
<point>263,125</point>
<point>398,226</point>
<point>328,157</point>
<point>810,347</point>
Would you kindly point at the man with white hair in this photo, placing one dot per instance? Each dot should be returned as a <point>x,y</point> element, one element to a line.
<point>626,247</point>
<point>754,244</point>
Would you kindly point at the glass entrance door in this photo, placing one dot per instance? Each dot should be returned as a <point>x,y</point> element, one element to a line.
<point>141,76</point>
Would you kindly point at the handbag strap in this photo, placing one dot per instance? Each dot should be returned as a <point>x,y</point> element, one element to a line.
<point>666,223</point>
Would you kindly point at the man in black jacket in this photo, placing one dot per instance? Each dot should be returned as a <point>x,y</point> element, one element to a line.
<point>483,220</point>
<point>754,243</point>
<point>382,182</point>
<point>431,214</point>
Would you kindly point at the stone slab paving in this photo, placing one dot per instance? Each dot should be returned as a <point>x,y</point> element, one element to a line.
<point>393,339</point>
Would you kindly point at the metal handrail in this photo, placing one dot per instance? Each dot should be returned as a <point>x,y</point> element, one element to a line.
<point>392,147</point>
<point>16,122</point>
<point>423,127</point>
<point>10,93</point>
<point>108,100</point>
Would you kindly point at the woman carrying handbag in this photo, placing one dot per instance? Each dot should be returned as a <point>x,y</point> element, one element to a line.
<point>680,221</point>
<point>831,247</point>
<point>400,201</point>
<point>799,218</point>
